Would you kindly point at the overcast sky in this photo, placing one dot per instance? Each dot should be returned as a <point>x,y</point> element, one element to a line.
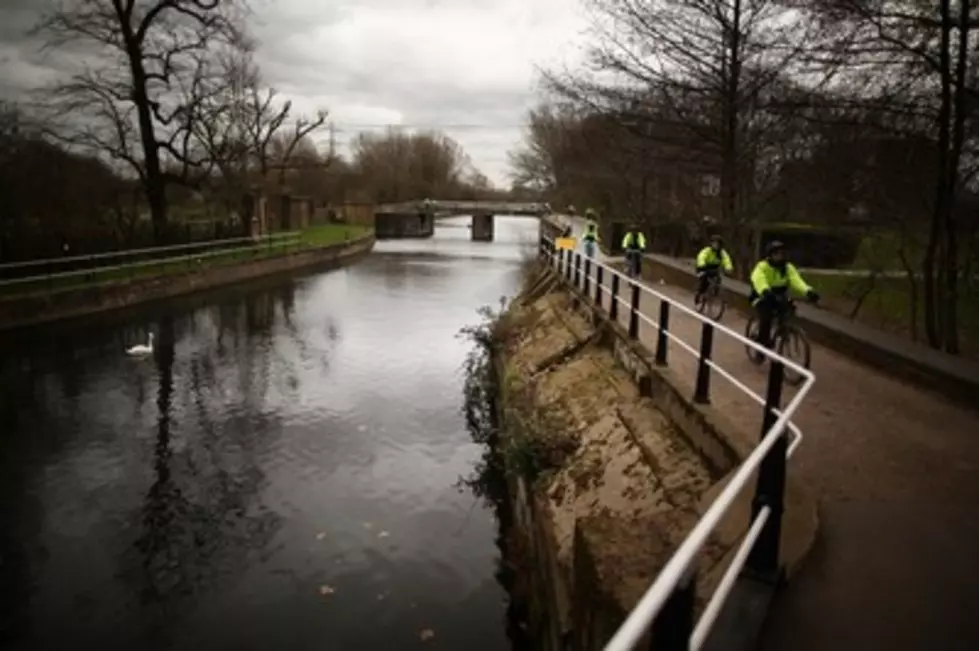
<point>466,67</point>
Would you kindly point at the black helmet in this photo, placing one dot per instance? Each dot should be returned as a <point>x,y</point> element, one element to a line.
<point>716,239</point>
<point>774,246</point>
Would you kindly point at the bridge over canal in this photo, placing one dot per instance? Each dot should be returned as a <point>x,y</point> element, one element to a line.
<point>890,451</point>
<point>416,219</point>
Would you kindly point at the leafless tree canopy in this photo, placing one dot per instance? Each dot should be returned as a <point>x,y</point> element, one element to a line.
<point>854,113</point>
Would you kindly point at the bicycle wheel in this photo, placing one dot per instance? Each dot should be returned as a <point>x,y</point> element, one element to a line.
<point>712,305</point>
<point>751,332</point>
<point>794,345</point>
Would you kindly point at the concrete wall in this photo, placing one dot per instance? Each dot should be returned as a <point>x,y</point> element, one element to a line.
<point>54,306</point>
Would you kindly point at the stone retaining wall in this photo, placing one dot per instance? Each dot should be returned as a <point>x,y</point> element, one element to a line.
<point>54,306</point>
<point>648,462</point>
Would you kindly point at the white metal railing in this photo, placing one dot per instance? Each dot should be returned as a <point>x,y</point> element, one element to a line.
<point>144,251</point>
<point>214,246</point>
<point>759,547</point>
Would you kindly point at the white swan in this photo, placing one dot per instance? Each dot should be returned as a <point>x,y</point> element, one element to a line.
<point>139,350</point>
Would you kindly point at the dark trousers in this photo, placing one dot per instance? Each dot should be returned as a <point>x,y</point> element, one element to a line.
<point>634,258</point>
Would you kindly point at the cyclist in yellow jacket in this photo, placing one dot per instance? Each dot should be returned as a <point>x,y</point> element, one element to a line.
<point>710,261</point>
<point>634,245</point>
<point>771,280</point>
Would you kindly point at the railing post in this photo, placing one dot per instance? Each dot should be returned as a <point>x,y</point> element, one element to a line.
<point>560,262</point>
<point>577,269</point>
<point>587,275</point>
<point>702,392</point>
<point>664,326</point>
<point>634,313</point>
<point>613,308</point>
<point>599,269</point>
<point>673,625</point>
<point>763,560</point>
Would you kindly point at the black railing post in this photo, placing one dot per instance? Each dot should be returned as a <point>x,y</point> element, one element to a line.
<point>613,308</point>
<point>587,275</point>
<point>567,264</point>
<point>560,262</point>
<point>664,326</point>
<point>577,269</point>
<point>763,560</point>
<point>702,392</point>
<point>599,269</point>
<point>634,313</point>
<point>673,625</point>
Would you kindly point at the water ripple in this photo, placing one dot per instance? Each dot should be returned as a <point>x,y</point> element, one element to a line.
<point>280,474</point>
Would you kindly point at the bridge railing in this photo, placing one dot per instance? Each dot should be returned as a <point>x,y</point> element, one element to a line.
<point>666,610</point>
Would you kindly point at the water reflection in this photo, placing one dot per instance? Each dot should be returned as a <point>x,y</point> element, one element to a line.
<point>283,439</point>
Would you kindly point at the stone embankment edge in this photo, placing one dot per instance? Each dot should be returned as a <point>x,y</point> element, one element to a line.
<point>722,445</point>
<point>19,312</point>
<point>954,378</point>
<point>720,442</point>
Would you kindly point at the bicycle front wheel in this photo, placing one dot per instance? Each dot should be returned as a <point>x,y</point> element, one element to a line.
<point>713,305</point>
<point>794,345</point>
<point>751,332</point>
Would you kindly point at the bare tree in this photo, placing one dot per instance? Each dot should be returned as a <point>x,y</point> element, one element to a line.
<point>925,53</point>
<point>703,76</point>
<point>146,66</point>
<point>246,130</point>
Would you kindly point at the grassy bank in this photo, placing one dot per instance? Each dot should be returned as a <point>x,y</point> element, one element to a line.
<point>311,238</point>
<point>886,303</point>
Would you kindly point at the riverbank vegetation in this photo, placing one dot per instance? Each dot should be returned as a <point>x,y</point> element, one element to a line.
<point>857,120</point>
<point>170,134</point>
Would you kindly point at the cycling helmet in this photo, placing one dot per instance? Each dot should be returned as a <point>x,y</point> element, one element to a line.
<point>774,246</point>
<point>716,239</point>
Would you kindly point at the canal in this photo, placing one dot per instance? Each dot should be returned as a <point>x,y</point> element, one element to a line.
<point>282,473</point>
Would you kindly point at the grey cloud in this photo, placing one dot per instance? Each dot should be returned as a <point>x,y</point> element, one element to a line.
<point>344,55</point>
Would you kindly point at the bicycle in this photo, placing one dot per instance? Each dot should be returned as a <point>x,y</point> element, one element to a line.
<point>711,303</point>
<point>788,340</point>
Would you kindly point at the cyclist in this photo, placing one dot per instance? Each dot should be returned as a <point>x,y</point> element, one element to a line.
<point>710,261</point>
<point>634,244</point>
<point>771,280</point>
<point>591,234</point>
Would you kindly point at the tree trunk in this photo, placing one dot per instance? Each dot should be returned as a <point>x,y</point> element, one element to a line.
<point>951,298</point>
<point>153,179</point>
<point>932,293</point>
<point>729,149</point>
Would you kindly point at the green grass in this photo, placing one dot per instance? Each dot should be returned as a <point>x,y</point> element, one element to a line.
<point>311,238</point>
<point>888,306</point>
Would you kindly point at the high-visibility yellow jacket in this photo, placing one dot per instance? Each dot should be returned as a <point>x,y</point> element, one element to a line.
<point>591,234</point>
<point>766,276</point>
<point>709,259</point>
<point>627,241</point>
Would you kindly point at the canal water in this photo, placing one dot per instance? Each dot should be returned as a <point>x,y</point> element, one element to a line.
<point>282,473</point>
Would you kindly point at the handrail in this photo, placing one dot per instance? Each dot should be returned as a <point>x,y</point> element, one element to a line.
<point>667,606</point>
<point>256,244</point>
<point>146,250</point>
